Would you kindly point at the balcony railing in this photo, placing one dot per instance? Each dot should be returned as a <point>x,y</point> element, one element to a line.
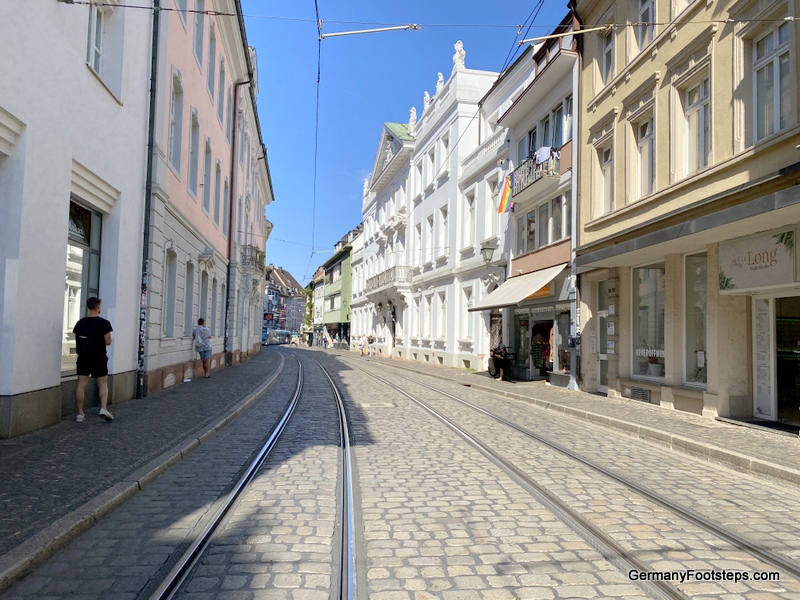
<point>538,165</point>
<point>253,256</point>
<point>391,276</point>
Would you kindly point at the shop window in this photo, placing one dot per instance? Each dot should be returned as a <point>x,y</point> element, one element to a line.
<point>695,319</point>
<point>648,321</point>
<point>82,276</point>
<point>561,349</point>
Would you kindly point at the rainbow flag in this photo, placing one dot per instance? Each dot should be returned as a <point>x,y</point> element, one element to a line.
<point>505,196</point>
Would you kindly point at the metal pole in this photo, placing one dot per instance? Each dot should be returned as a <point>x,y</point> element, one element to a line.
<point>148,192</point>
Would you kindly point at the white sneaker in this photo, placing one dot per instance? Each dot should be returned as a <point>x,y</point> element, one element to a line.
<point>80,418</point>
<point>104,414</point>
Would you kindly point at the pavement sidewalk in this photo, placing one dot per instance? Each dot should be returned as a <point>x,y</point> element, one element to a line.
<point>59,481</point>
<point>749,450</point>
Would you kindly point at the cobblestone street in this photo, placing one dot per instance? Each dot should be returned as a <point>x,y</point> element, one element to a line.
<point>436,517</point>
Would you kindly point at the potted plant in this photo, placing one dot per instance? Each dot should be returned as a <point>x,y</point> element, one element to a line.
<point>654,368</point>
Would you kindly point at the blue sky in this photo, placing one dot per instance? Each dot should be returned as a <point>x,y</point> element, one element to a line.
<point>366,80</point>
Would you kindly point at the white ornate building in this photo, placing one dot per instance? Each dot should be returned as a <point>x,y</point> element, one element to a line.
<point>421,266</point>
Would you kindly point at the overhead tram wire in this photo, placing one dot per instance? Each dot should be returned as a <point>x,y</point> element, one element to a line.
<point>218,13</point>
<point>316,143</point>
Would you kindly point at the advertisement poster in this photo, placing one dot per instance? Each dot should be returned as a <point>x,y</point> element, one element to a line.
<point>757,262</point>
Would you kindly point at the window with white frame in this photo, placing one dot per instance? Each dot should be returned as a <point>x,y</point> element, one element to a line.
<point>217,192</point>
<point>418,182</point>
<point>418,242</point>
<point>645,157</point>
<point>644,26</point>
<point>207,164</point>
<point>182,8</point>
<point>170,289</point>
<point>695,318</point>
<point>445,154</point>
<point>441,331</point>
<point>428,315</point>
<point>492,203</point>
<point>697,126</point>
<point>229,124</point>
<point>199,29</point>
<point>567,119</point>
<point>176,124</point>
<point>417,327</point>
<point>429,241</point>
<point>442,231</point>
<point>558,125</point>
<point>545,133</point>
<point>430,164</point>
<point>547,223</point>
<point>469,318</point>
<point>213,324</point>
<point>225,208</point>
<point>605,161</point>
<point>221,90</point>
<point>97,29</point>
<point>607,56</point>
<point>194,154</point>
<point>468,224</point>
<point>544,225</point>
<point>212,61</point>
<point>188,300</point>
<point>772,85</point>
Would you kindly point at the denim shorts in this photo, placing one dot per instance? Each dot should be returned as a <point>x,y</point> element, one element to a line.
<point>205,354</point>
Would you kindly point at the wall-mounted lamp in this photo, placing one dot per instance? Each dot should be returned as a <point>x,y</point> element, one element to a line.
<point>487,252</point>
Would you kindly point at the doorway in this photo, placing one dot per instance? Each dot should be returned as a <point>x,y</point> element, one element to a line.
<point>787,363</point>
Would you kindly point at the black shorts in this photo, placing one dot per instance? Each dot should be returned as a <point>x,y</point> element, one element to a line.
<point>92,366</point>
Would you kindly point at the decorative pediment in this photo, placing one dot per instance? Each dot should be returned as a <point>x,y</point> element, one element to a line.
<point>392,142</point>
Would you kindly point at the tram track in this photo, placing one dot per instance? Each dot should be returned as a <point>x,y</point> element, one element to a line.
<point>345,578</point>
<point>603,542</point>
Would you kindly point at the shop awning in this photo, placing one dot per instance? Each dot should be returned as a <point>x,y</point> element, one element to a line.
<point>516,289</point>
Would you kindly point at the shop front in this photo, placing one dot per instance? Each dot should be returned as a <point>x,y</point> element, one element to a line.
<point>764,266</point>
<point>538,313</point>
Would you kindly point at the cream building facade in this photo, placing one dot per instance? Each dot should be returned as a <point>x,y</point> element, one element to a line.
<point>689,205</point>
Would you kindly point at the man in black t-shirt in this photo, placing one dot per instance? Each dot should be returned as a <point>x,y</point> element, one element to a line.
<point>92,336</point>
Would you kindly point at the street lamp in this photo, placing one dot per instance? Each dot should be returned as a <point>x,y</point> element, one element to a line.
<point>487,252</point>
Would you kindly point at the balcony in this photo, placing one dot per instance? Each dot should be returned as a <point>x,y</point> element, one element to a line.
<point>253,257</point>
<point>540,164</point>
<point>392,277</point>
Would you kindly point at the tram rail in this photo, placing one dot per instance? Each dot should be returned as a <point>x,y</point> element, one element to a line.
<point>592,534</point>
<point>345,587</point>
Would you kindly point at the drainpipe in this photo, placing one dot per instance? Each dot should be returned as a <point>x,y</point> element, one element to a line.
<point>231,212</point>
<point>574,305</point>
<point>148,190</point>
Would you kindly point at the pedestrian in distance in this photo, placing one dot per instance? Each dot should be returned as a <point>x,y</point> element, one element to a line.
<point>361,345</point>
<point>92,337</point>
<point>371,344</point>
<point>202,343</point>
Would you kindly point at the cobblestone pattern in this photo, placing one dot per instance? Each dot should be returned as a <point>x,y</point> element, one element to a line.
<point>654,535</point>
<point>279,543</point>
<point>440,521</point>
<point>126,553</point>
<point>48,473</point>
<point>770,447</point>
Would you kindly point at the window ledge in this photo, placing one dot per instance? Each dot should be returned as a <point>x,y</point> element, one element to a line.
<point>443,175</point>
<point>467,249</point>
<point>466,341</point>
<point>104,84</point>
<point>416,199</point>
<point>428,187</point>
